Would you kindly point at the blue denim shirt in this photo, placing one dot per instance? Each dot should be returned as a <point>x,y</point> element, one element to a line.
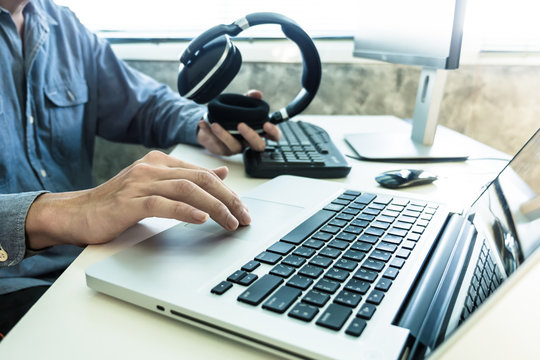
<point>59,89</point>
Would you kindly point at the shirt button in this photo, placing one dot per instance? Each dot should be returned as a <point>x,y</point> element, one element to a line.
<point>31,119</point>
<point>43,173</point>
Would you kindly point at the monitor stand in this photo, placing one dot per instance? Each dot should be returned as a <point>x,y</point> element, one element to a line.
<point>422,144</point>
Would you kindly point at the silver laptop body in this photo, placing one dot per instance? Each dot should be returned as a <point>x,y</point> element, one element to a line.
<point>173,273</point>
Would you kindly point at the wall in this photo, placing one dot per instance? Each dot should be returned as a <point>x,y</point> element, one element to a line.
<point>495,104</point>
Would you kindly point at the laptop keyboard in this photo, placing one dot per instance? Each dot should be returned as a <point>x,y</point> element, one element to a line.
<point>336,267</point>
<point>486,278</point>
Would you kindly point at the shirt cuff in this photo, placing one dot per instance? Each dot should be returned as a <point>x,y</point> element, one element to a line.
<point>13,211</point>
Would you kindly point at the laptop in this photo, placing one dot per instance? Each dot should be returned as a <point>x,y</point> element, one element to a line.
<point>328,272</point>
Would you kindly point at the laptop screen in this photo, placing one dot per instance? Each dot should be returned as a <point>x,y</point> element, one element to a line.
<point>508,212</point>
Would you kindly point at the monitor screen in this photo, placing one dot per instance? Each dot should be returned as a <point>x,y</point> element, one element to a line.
<point>413,32</point>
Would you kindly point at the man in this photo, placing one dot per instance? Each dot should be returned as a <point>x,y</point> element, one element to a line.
<point>60,87</point>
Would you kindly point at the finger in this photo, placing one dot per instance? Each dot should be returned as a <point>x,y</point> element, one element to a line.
<point>210,141</point>
<point>160,206</point>
<point>271,131</point>
<point>255,94</point>
<point>177,184</point>
<point>223,206</point>
<point>256,142</point>
<point>221,172</point>
<point>226,138</point>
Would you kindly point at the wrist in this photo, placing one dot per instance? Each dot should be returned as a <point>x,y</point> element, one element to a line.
<point>52,220</point>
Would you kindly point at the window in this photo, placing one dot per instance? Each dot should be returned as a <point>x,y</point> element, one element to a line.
<point>180,19</point>
<point>494,25</point>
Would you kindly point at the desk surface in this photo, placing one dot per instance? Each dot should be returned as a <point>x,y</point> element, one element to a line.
<point>73,321</point>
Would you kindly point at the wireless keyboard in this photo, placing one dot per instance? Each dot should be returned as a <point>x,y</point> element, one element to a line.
<point>304,150</point>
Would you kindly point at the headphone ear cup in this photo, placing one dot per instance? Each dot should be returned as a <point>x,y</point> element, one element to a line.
<point>210,71</point>
<point>230,109</point>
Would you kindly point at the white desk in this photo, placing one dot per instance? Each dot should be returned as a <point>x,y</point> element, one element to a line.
<point>73,322</point>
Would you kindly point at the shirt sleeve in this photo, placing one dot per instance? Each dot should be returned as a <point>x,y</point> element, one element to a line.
<point>13,211</point>
<point>133,107</point>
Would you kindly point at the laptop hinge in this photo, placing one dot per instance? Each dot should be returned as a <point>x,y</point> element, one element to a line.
<point>427,308</point>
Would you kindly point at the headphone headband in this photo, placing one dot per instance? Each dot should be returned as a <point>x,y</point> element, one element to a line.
<point>311,73</point>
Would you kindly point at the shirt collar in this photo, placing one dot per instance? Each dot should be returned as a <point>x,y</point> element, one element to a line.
<point>35,9</point>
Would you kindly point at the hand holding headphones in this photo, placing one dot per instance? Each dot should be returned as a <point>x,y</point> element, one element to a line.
<point>211,61</point>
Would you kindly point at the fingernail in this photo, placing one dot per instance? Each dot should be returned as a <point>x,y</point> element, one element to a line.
<point>199,216</point>
<point>232,222</point>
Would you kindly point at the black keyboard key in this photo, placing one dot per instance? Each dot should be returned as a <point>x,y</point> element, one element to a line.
<point>380,255</point>
<point>366,275</point>
<point>384,246</point>
<point>302,231</point>
<point>250,266</point>
<point>323,236</point>
<point>391,273</point>
<point>281,248</point>
<point>337,274</point>
<point>304,252</point>
<point>346,236</point>
<point>338,222</point>
<point>334,207</point>
<point>375,297</point>
<point>346,217</point>
<point>294,260</point>
<point>236,276</point>
<point>314,244</point>
<point>300,282</point>
<point>303,312</point>
<point>316,298</point>
<point>282,299</point>
<point>282,270</point>
<point>393,239</point>
<point>268,258</point>
<point>321,261</point>
<point>365,198</point>
<point>366,311</point>
<point>221,288</point>
<point>260,289</point>
<point>354,255</point>
<point>370,239</point>
<point>356,327</point>
<point>334,316</point>
<point>330,252</point>
<point>361,246</point>
<point>345,264</point>
<point>373,264</point>
<point>383,284</point>
<point>247,280</point>
<point>348,298</point>
<point>403,253</point>
<point>311,271</point>
<point>338,244</point>
<point>359,286</point>
<point>327,286</point>
<point>397,263</point>
<point>330,229</point>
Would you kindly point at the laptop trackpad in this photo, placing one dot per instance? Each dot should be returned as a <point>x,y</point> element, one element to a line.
<point>188,253</point>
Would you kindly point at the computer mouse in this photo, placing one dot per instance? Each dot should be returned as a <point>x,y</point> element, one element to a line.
<point>401,178</point>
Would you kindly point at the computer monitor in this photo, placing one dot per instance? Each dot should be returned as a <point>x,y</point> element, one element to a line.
<point>423,33</point>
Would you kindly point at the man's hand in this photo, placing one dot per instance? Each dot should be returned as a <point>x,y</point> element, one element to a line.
<point>156,185</point>
<point>218,140</point>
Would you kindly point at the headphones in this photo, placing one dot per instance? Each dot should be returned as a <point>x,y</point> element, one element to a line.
<point>211,61</point>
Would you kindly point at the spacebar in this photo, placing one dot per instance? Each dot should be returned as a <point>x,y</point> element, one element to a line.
<point>302,231</point>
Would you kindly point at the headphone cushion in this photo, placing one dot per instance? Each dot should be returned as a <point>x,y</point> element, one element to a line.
<point>230,109</point>
<point>209,61</point>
